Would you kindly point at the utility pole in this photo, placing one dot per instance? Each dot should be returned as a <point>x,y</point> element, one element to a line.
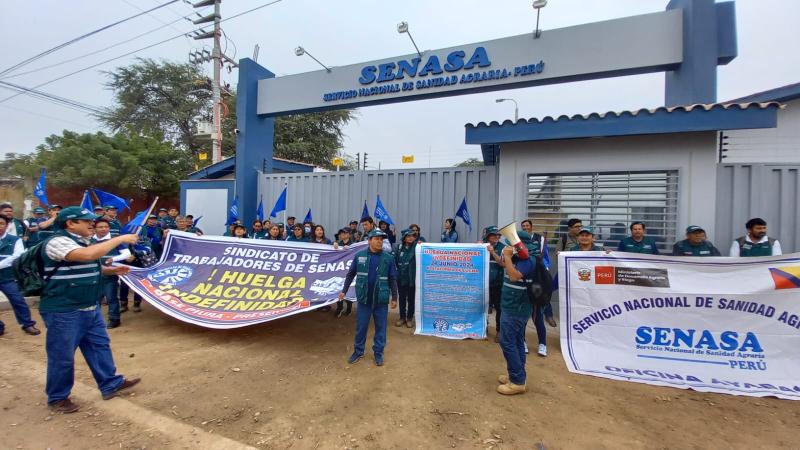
<point>217,58</point>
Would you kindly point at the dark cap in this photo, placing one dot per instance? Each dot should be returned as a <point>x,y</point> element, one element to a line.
<point>492,230</point>
<point>377,233</point>
<point>75,213</point>
<point>586,230</point>
<point>693,228</point>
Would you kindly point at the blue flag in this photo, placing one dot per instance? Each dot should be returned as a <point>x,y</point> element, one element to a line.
<point>260,210</point>
<point>381,214</point>
<point>308,217</point>
<point>137,222</point>
<point>40,190</point>
<point>233,214</point>
<point>280,203</point>
<point>196,221</point>
<point>463,212</point>
<point>86,203</point>
<point>365,211</point>
<point>109,199</point>
<point>546,255</point>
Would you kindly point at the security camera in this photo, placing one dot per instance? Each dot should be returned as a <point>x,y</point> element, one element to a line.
<point>236,131</point>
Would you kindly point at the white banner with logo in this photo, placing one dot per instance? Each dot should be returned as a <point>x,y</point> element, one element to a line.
<point>729,325</point>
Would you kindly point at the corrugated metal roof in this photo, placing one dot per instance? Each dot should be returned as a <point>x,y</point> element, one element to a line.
<point>631,113</point>
<point>778,94</point>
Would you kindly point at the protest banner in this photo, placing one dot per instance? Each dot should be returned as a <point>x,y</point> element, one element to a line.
<point>452,290</point>
<point>222,282</point>
<point>728,325</point>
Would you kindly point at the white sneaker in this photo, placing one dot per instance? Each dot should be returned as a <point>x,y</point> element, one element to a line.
<point>526,348</point>
<point>542,350</point>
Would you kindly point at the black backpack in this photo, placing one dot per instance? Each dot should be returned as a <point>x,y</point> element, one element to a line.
<point>540,289</point>
<point>29,270</point>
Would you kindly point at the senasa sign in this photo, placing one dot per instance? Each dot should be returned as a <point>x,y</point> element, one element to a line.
<point>587,51</point>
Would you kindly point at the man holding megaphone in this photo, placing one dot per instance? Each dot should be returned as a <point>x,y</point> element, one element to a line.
<point>519,269</point>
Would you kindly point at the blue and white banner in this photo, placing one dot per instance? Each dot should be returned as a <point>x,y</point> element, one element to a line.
<point>709,324</point>
<point>452,290</point>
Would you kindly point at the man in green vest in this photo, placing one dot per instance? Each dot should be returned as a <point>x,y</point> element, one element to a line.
<point>15,226</point>
<point>637,242</point>
<point>376,280</point>
<point>38,226</point>
<point>110,283</point>
<point>69,308</point>
<point>586,242</point>
<point>517,309</point>
<point>756,242</point>
<point>113,221</point>
<point>10,249</point>
<point>406,259</point>
<point>496,271</point>
<point>695,244</point>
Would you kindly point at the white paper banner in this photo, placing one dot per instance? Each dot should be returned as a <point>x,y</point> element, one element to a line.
<point>729,325</point>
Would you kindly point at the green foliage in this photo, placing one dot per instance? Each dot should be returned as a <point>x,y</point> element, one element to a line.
<point>471,162</point>
<point>124,163</point>
<point>165,99</point>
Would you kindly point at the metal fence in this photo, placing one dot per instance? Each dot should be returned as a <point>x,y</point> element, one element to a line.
<point>769,191</point>
<point>422,196</point>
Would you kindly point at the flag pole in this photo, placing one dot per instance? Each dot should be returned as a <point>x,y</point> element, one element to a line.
<point>149,211</point>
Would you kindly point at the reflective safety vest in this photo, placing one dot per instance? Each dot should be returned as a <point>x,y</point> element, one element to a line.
<point>755,249</point>
<point>646,245</point>
<point>7,245</point>
<point>704,249</point>
<point>495,269</point>
<point>514,297</point>
<point>115,227</point>
<point>73,285</point>
<point>382,292</point>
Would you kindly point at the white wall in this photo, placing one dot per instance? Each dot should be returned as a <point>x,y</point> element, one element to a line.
<point>212,205</point>
<point>768,145</point>
<point>692,154</point>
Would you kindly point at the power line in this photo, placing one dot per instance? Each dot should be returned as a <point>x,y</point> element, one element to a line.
<point>34,113</point>
<point>84,36</point>
<point>52,98</point>
<point>133,52</point>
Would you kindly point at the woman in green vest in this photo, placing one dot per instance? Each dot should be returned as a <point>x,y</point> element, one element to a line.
<point>405,258</point>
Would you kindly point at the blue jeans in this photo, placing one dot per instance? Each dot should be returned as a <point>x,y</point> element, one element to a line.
<point>512,342</point>
<point>363,315</point>
<point>111,293</point>
<point>66,331</point>
<point>21,310</point>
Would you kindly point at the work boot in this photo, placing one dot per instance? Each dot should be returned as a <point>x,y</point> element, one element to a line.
<point>379,360</point>
<point>502,379</point>
<point>63,406</point>
<point>32,330</point>
<point>128,383</point>
<point>400,323</point>
<point>551,321</point>
<point>511,388</point>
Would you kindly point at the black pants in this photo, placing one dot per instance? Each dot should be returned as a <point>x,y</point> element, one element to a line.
<point>495,292</point>
<point>123,296</point>
<point>406,302</point>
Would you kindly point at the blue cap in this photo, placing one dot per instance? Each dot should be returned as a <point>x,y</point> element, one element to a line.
<point>377,233</point>
<point>586,230</point>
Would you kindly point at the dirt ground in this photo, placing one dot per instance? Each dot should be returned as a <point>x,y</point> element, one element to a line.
<point>286,384</point>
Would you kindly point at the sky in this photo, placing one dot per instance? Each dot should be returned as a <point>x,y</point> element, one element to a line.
<point>342,32</point>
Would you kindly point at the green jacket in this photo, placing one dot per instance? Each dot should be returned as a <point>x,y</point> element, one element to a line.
<point>514,297</point>
<point>646,246</point>
<point>406,260</point>
<point>684,248</point>
<point>382,291</point>
<point>755,249</point>
<point>73,286</point>
<point>7,245</point>
<point>495,269</point>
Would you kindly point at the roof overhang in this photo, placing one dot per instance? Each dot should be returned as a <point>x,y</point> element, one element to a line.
<point>680,119</point>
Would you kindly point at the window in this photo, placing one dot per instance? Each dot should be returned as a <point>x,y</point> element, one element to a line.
<point>606,201</point>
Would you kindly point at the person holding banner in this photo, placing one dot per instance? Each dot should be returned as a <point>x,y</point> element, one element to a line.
<point>519,269</point>
<point>496,271</point>
<point>637,242</point>
<point>406,260</point>
<point>239,231</point>
<point>110,283</point>
<point>756,242</point>
<point>258,231</point>
<point>586,242</point>
<point>297,234</point>
<point>318,236</point>
<point>69,308</point>
<point>376,280</point>
<point>695,244</point>
<point>274,233</point>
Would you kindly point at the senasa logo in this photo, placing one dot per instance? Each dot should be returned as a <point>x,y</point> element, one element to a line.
<point>171,275</point>
<point>402,68</point>
<point>604,275</point>
<point>698,339</point>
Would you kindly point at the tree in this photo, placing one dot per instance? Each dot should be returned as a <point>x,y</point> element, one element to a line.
<point>164,99</point>
<point>471,162</point>
<point>124,163</point>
